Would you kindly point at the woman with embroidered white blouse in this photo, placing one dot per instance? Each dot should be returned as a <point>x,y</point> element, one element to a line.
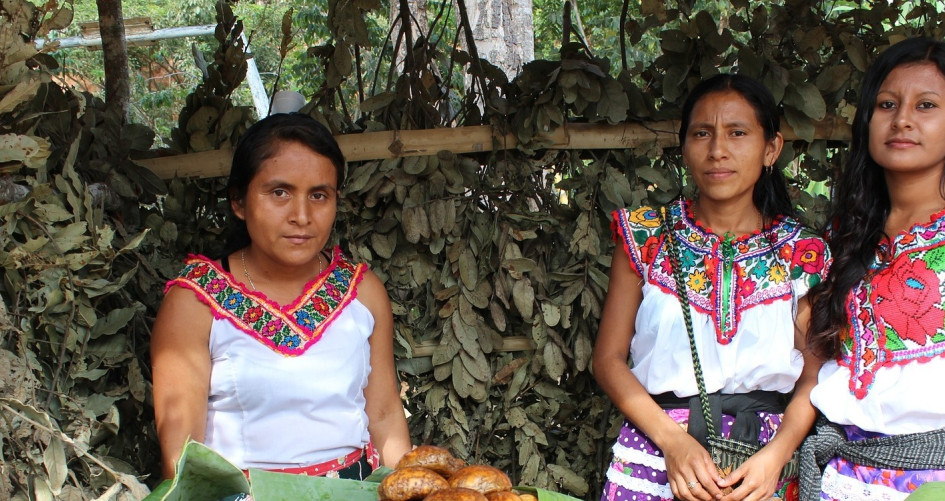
<point>746,264</point>
<point>279,355</point>
<point>878,320</point>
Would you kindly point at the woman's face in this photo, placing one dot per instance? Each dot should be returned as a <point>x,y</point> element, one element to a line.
<point>907,129</point>
<point>725,147</point>
<point>290,205</point>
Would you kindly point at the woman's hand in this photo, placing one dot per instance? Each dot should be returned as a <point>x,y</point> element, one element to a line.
<point>689,467</point>
<point>758,476</point>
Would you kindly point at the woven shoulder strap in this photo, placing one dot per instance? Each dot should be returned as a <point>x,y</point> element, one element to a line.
<point>666,217</point>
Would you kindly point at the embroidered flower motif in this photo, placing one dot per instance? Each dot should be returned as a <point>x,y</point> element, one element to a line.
<point>645,216</point>
<point>777,273</point>
<point>743,248</point>
<point>332,291</point>
<point>905,299</point>
<point>809,255</point>
<point>695,238</point>
<point>760,270</point>
<point>272,327</point>
<point>747,287</point>
<point>199,270</point>
<point>292,341</point>
<point>252,314</point>
<point>687,258</point>
<point>321,306</point>
<point>233,301</point>
<point>304,319</point>
<point>697,281</point>
<point>216,286</point>
<point>649,248</point>
<point>786,252</point>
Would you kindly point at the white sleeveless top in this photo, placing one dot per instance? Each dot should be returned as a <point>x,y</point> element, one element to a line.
<point>743,294</point>
<point>286,383</point>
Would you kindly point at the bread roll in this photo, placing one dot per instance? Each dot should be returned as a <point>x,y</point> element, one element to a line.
<point>482,478</point>
<point>411,483</point>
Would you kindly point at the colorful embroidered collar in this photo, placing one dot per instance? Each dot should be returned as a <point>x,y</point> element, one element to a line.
<point>725,276</point>
<point>896,315</point>
<point>289,330</point>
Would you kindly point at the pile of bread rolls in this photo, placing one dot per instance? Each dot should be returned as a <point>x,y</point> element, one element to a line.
<point>430,473</point>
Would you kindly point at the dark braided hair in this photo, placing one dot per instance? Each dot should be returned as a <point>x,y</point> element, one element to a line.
<point>860,202</point>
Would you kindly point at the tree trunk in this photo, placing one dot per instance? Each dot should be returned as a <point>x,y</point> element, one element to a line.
<point>503,32</point>
<point>111,26</point>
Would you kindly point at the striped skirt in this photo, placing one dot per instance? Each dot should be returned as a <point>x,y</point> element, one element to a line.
<point>638,469</point>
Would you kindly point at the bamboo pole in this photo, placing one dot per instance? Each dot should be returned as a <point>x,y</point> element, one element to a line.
<point>406,143</point>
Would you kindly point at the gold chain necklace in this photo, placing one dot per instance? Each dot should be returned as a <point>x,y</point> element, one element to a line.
<point>250,278</point>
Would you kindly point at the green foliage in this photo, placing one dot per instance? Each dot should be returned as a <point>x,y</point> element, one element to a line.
<point>496,262</point>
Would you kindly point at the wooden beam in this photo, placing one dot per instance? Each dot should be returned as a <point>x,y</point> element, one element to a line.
<point>407,143</point>
<point>511,343</point>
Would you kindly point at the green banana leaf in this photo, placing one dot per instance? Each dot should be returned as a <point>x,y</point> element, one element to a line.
<point>930,491</point>
<point>204,475</point>
<point>201,475</point>
<point>269,486</point>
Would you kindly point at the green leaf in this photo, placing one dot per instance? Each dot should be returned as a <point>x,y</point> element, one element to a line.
<point>202,474</point>
<point>54,460</point>
<point>377,102</point>
<point>269,486</point>
<point>111,323</point>
<point>929,491</point>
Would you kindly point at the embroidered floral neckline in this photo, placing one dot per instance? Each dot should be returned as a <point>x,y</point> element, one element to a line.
<point>896,314</point>
<point>290,329</point>
<point>724,277</point>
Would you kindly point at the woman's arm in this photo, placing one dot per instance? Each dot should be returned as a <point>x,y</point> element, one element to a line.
<point>686,460</point>
<point>387,423</point>
<point>759,475</point>
<point>180,364</point>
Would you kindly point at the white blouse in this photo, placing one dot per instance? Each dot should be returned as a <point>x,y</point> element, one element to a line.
<point>286,382</point>
<point>743,294</point>
<point>267,410</point>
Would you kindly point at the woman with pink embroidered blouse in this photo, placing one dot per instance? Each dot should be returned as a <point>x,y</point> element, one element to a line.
<point>279,355</point>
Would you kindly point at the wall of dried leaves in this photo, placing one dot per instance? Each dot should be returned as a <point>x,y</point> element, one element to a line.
<point>496,262</point>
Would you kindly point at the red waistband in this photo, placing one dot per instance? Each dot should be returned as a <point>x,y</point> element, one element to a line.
<point>322,469</point>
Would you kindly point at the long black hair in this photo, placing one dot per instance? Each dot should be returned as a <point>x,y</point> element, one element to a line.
<point>261,142</point>
<point>770,194</point>
<point>860,202</point>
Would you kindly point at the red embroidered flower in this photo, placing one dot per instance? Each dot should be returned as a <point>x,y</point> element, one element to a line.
<point>199,270</point>
<point>786,252</point>
<point>747,287</point>
<point>809,255</point>
<point>648,250</point>
<point>321,306</point>
<point>791,492</point>
<point>906,299</point>
<point>253,314</point>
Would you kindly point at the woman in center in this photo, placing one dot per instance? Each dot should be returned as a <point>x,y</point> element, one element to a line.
<point>746,264</point>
